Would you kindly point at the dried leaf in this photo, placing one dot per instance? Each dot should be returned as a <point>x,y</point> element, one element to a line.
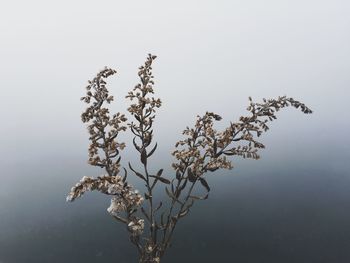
<point>144,156</point>
<point>199,197</point>
<point>125,176</point>
<point>162,179</point>
<point>160,172</point>
<point>215,147</point>
<point>183,185</point>
<point>137,118</point>
<point>204,183</point>
<point>178,175</point>
<point>133,130</point>
<point>135,144</point>
<point>159,206</point>
<point>137,173</point>
<point>230,153</point>
<point>183,213</point>
<point>152,151</point>
<point>191,176</point>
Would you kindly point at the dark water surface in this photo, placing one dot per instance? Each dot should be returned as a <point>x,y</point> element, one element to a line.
<point>255,214</point>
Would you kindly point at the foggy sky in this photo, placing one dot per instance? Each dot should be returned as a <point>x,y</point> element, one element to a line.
<point>212,55</point>
<point>291,204</point>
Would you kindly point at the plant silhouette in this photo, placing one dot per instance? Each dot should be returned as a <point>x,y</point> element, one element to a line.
<point>203,149</point>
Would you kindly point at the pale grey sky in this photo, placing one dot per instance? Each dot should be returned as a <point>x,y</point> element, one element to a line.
<point>212,55</point>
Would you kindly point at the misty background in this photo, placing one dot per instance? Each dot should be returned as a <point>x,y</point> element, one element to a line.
<point>290,206</point>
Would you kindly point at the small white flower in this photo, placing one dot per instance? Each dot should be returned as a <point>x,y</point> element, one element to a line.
<point>117,205</point>
<point>136,227</point>
<point>82,180</point>
<point>69,198</point>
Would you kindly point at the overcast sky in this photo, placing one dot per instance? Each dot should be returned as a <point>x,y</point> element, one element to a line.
<point>212,55</point>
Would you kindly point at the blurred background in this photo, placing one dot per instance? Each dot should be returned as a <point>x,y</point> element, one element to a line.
<point>290,206</point>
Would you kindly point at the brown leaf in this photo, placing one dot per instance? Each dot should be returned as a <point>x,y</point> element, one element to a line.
<point>144,156</point>
<point>152,151</point>
<point>137,173</point>
<point>204,183</point>
<point>183,213</point>
<point>162,179</point>
<point>178,175</point>
<point>199,197</point>
<point>135,145</point>
<point>160,172</point>
<point>191,176</point>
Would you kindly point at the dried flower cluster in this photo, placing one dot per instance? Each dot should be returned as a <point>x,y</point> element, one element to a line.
<point>136,226</point>
<point>204,149</point>
<point>103,128</point>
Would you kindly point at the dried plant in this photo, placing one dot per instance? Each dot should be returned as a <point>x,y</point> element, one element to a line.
<point>203,150</point>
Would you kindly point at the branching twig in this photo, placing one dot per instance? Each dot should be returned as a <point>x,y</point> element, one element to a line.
<point>203,150</point>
